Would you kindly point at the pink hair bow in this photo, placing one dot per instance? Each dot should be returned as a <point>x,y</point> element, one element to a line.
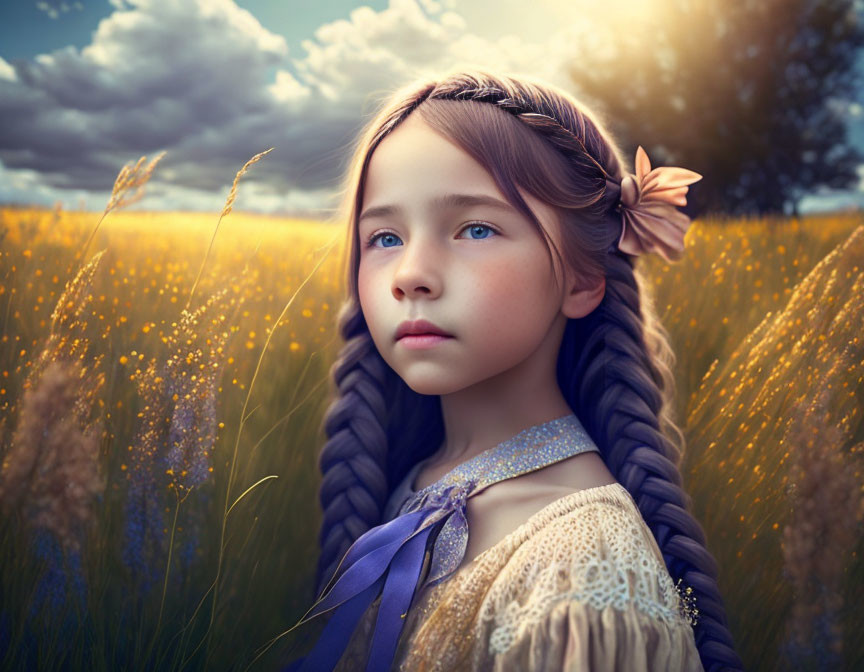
<point>651,223</point>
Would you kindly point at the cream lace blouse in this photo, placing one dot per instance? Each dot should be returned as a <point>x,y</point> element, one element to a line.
<point>580,586</point>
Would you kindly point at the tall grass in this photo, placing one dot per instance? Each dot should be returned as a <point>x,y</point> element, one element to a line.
<point>196,515</point>
<point>771,429</point>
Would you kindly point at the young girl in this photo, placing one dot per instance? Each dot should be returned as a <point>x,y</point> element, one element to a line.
<point>503,491</point>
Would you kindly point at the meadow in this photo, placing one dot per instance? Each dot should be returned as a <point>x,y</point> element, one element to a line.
<point>162,382</point>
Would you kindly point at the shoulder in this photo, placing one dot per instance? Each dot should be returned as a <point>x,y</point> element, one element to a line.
<point>581,585</point>
<point>497,511</point>
<point>586,587</point>
<point>591,548</point>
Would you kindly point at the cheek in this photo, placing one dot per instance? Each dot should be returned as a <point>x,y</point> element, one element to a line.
<point>366,293</point>
<point>362,284</point>
<point>371,295</point>
<point>511,304</point>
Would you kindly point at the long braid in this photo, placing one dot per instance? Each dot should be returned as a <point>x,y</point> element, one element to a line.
<point>373,410</point>
<point>352,462</point>
<point>623,420</point>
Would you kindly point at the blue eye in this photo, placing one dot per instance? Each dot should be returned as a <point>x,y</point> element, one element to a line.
<point>374,238</point>
<point>476,226</point>
<point>473,226</point>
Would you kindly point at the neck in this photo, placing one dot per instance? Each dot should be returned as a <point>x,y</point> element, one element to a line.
<point>472,428</point>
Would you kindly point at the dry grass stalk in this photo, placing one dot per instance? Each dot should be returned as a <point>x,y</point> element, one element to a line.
<point>229,204</point>
<point>128,189</point>
<point>232,195</point>
<point>129,185</point>
<point>52,469</point>
<point>68,340</point>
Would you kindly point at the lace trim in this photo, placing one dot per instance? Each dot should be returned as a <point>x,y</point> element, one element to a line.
<point>600,554</point>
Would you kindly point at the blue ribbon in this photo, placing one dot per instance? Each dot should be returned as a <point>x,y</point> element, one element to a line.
<point>390,555</point>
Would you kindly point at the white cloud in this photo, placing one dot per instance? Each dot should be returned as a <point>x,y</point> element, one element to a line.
<point>7,72</point>
<point>287,89</point>
<point>431,6</point>
<point>374,51</point>
<point>160,75</point>
<point>54,8</point>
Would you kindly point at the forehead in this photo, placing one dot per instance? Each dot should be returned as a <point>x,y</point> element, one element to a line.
<point>414,166</point>
<point>415,159</point>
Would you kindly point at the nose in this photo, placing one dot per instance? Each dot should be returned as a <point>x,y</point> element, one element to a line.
<point>418,272</point>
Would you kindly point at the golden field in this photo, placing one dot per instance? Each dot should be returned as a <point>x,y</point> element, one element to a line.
<point>765,316</point>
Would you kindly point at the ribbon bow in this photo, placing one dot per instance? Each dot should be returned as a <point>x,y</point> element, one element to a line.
<point>389,555</point>
<point>651,223</point>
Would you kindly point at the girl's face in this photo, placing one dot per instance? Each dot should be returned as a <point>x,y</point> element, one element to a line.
<point>478,271</point>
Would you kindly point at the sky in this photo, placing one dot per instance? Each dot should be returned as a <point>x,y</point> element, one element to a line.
<point>87,86</point>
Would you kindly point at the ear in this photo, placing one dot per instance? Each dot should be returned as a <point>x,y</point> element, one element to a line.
<point>579,300</point>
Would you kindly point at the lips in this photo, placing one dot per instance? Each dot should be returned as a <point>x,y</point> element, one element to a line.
<point>419,327</point>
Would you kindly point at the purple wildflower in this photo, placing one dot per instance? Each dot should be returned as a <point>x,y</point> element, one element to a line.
<point>176,438</point>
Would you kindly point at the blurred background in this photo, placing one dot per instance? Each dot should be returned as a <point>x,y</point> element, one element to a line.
<point>171,271</point>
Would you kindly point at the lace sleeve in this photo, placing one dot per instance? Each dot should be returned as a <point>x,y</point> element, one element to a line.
<point>589,592</point>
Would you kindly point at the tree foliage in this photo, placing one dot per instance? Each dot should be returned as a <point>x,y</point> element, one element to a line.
<point>753,94</point>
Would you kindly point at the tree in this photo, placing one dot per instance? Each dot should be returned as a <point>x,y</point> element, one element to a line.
<point>752,94</point>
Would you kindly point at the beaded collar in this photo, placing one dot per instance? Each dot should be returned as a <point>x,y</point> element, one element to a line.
<point>529,450</point>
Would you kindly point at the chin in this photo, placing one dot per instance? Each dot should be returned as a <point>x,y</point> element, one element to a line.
<point>428,387</point>
<point>439,384</point>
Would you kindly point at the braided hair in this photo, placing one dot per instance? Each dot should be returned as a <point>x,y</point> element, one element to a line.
<point>614,364</point>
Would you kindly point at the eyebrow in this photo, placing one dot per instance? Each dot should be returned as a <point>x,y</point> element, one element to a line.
<point>442,202</point>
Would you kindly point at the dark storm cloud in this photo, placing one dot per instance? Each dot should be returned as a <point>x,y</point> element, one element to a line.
<point>162,75</point>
